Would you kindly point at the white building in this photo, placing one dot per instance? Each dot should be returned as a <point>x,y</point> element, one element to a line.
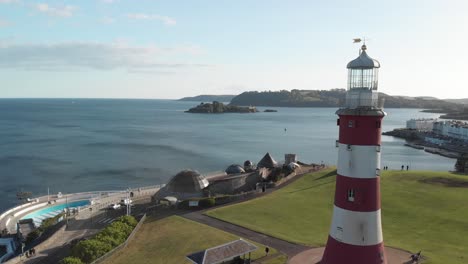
<point>453,129</point>
<point>423,124</point>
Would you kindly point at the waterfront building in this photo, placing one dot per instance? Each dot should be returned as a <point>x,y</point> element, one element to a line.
<point>184,185</point>
<point>452,129</point>
<point>355,235</point>
<point>421,124</point>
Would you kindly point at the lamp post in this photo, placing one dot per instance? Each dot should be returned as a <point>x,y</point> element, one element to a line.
<point>66,209</point>
<point>128,202</point>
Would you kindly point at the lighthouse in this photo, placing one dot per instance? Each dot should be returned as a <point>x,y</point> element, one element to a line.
<point>356,231</point>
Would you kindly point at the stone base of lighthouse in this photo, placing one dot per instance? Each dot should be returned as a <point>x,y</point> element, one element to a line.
<point>314,256</point>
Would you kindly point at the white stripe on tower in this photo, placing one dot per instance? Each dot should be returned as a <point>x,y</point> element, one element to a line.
<point>356,228</point>
<point>358,161</point>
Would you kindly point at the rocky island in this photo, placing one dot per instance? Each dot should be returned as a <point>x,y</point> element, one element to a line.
<point>217,107</point>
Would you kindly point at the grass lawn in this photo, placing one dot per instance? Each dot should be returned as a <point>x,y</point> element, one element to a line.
<point>170,239</point>
<point>419,212</point>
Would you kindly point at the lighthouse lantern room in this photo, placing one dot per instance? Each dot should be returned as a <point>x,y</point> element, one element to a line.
<point>355,235</point>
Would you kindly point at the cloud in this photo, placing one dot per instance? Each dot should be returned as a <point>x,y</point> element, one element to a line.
<point>108,1</point>
<point>91,55</point>
<point>8,1</point>
<point>63,11</point>
<point>165,19</point>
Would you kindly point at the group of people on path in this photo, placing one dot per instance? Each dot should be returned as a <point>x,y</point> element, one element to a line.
<point>31,252</point>
<point>402,167</point>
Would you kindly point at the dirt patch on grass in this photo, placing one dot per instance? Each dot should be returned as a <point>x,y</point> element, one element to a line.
<point>446,182</point>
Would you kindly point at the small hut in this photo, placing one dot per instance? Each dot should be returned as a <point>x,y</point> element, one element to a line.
<point>234,169</point>
<point>226,253</point>
<point>267,162</point>
<point>248,165</point>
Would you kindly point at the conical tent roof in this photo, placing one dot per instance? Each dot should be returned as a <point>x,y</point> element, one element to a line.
<point>234,169</point>
<point>187,181</point>
<point>267,162</point>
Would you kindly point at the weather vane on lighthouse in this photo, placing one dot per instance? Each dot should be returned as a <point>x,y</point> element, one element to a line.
<point>355,235</point>
<point>359,40</point>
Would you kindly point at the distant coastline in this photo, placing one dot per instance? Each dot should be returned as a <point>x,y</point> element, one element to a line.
<point>325,98</point>
<point>209,98</point>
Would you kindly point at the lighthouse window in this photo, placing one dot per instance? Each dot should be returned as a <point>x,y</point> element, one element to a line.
<point>378,124</point>
<point>351,195</point>
<point>350,123</point>
<point>338,122</point>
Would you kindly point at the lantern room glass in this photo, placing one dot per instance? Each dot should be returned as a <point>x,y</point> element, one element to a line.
<point>363,78</point>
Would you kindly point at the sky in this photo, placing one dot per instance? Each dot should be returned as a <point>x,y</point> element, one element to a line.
<point>170,49</point>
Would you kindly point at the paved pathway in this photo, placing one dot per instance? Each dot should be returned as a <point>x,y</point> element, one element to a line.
<point>283,246</point>
<point>58,246</point>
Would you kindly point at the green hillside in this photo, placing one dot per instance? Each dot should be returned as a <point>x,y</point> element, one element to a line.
<point>333,98</point>
<point>421,210</point>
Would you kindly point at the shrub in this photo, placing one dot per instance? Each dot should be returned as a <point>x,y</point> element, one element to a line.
<point>207,202</point>
<point>90,250</point>
<point>71,260</point>
<point>183,205</point>
<point>120,227</point>
<point>128,219</point>
<point>111,240</point>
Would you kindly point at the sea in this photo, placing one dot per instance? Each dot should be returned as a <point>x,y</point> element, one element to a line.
<point>78,145</point>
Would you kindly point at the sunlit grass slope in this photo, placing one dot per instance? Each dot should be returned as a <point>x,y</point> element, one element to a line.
<point>421,210</point>
<point>170,239</point>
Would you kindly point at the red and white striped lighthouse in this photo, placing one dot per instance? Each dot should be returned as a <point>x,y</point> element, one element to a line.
<point>356,231</point>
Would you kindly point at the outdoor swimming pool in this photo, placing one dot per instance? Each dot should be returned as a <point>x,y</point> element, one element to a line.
<point>52,211</point>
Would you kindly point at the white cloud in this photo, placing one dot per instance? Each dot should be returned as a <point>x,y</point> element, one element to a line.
<point>8,1</point>
<point>92,55</point>
<point>63,11</point>
<point>108,1</point>
<point>141,16</point>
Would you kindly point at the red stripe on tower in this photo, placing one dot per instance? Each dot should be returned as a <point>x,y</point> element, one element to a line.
<point>356,230</point>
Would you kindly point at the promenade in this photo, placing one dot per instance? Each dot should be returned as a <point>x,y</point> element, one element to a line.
<point>83,223</point>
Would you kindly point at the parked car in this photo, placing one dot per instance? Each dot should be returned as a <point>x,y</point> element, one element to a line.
<point>125,202</point>
<point>114,206</point>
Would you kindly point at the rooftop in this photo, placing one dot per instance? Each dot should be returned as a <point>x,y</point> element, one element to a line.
<point>363,61</point>
<point>222,253</point>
